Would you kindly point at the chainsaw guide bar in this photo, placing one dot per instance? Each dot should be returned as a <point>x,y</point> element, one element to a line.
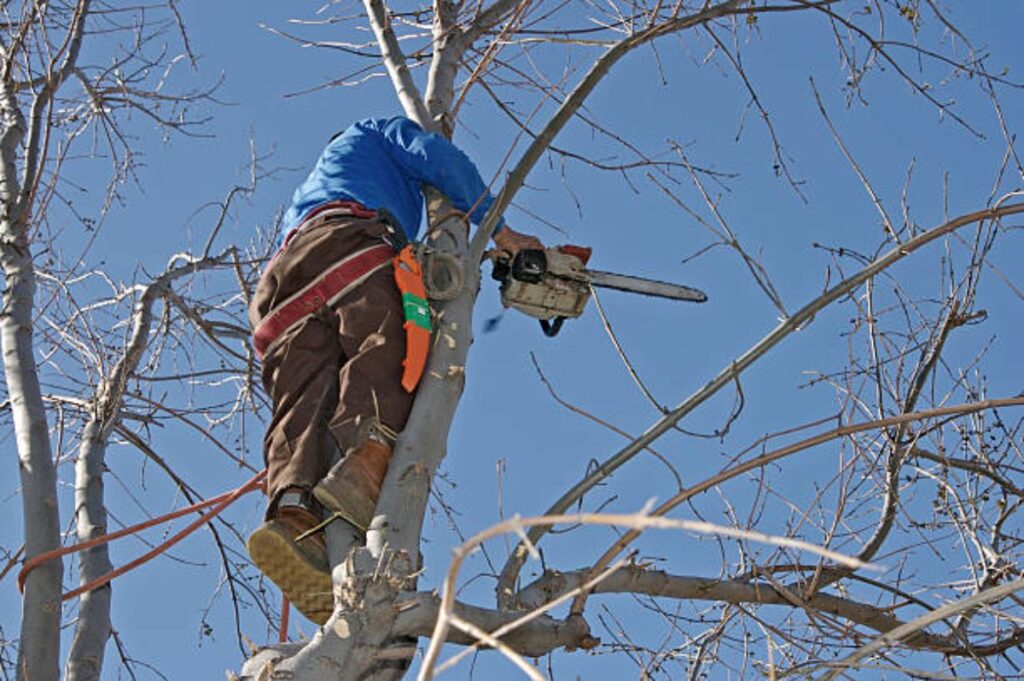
<point>646,287</point>
<point>553,285</point>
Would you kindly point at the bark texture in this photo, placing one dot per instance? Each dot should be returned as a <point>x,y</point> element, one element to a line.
<point>638,580</point>
<point>85,658</point>
<point>22,156</point>
<point>40,628</point>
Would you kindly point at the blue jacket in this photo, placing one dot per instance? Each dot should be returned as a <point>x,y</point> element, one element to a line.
<point>382,163</point>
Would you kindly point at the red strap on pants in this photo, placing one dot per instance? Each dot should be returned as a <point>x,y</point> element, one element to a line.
<point>325,290</point>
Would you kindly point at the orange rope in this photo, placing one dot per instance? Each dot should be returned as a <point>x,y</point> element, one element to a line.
<point>219,502</point>
<point>282,636</point>
<point>12,562</point>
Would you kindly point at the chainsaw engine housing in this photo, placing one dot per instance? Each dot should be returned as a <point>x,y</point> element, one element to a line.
<point>546,284</point>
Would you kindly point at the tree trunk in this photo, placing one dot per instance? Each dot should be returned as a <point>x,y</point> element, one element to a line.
<point>85,659</point>
<point>39,649</point>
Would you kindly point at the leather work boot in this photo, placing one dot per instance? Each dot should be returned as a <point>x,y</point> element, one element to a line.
<point>299,568</point>
<point>352,486</point>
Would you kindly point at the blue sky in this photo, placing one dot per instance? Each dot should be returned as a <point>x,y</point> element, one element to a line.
<point>507,414</point>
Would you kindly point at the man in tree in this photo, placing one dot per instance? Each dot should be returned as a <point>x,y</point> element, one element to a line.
<point>328,324</point>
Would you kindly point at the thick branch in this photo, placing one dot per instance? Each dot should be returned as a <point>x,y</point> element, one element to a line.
<point>418,613</point>
<point>423,444</point>
<point>92,629</point>
<point>444,65</point>
<point>394,60</point>
<point>637,580</point>
<point>40,635</point>
<point>636,521</point>
<point>913,629</point>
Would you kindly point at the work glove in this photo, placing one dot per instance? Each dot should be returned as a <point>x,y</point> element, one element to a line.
<point>512,242</point>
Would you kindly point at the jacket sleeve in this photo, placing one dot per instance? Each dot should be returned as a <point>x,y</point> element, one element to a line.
<point>433,160</point>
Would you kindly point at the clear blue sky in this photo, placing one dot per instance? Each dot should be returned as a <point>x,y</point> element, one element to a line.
<point>507,414</point>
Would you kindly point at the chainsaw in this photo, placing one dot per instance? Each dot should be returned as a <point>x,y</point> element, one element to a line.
<point>553,284</point>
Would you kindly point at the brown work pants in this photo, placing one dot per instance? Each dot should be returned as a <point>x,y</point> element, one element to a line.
<point>338,371</point>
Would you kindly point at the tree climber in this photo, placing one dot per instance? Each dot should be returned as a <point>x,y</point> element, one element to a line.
<point>328,326</point>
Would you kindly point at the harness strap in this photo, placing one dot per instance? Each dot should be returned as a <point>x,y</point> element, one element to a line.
<point>325,211</point>
<point>326,289</point>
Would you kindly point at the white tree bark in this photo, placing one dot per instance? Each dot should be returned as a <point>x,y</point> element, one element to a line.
<point>39,648</point>
<point>40,629</point>
<point>85,658</point>
<point>391,53</point>
<point>444,66</point>
<point>423,444</point>
<point>416,616</point>
<point>638,580</point>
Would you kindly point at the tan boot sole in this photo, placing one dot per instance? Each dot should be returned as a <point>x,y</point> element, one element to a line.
<point>351,505</point>
<point>306,586</point>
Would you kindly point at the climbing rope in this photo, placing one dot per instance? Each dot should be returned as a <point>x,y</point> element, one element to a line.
<point>442,272</point>
<point>282,631</point>
<point>219,503</point>
<point>443,275</point>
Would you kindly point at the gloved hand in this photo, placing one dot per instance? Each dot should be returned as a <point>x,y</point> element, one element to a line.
<point>512,241</point>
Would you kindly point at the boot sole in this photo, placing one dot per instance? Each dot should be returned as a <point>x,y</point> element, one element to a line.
<point>306,586</point>
<point>354,507</point>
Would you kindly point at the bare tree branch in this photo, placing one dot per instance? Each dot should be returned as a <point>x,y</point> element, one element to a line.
<point>641,580</point>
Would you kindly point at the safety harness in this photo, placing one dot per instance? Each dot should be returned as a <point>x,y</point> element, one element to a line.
<point>342,277</point>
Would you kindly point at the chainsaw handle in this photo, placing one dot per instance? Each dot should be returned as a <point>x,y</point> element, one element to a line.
<point>551,327</point>
<point>528,265</point>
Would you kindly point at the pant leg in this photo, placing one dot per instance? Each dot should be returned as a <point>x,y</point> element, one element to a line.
<point>301,371</point>
<point>301,378</point>
<point>372,335</point>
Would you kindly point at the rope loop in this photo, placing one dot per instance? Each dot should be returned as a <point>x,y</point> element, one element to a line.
<point>443,275</point>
